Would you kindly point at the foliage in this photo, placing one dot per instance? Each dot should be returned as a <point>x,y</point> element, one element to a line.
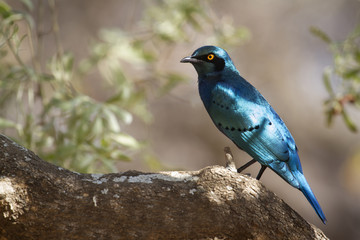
<point>43,104</point>
<point>342,80</point>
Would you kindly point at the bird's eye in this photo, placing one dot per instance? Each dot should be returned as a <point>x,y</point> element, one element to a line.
<point>210,56</point>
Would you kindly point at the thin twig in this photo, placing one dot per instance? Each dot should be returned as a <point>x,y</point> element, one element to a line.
<point>230,164</point>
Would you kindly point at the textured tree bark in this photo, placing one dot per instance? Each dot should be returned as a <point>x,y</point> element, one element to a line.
<point>39,200</point>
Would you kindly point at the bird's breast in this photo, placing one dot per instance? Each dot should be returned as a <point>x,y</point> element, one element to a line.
<point>227,106</point>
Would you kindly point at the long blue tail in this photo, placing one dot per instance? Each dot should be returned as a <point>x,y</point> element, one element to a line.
<point>306,190</point>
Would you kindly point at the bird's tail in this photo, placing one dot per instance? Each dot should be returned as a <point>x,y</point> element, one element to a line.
<point>306,190</point>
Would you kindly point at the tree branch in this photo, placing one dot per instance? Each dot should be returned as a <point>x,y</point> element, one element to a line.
<point>39,200</point>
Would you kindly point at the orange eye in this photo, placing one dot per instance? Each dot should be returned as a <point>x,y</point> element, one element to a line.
<point>210,56</point>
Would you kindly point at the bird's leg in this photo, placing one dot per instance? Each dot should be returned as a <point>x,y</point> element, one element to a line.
<point>262,169</point>
<point>240,169</point>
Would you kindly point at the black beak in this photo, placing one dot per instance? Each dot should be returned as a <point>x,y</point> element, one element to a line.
<point>189,60</point>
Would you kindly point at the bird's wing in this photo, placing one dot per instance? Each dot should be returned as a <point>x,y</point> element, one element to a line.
<point>251,124</point>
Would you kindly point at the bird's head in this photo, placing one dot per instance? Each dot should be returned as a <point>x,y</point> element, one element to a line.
<point>209,60</point>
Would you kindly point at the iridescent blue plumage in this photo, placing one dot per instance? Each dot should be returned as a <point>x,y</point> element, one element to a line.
<point>240,112</point>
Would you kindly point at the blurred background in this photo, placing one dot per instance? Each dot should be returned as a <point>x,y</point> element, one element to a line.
<point>77,45</point>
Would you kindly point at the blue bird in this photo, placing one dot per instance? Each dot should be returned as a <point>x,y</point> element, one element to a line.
<point>241,113</point>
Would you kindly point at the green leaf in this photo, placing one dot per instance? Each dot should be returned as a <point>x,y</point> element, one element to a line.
<point>320,34</point>
<point>329,117</point>
<point>20,41</point>
<point>111,121</point>
<point>5,10</point>
<point>352,73</point>
<point>97,127</point>
<point>13,17</point>
<point>125,140</point>
<point>327,82</point>
<point>114,98</point>
<point>30,20</point>
<point>122,114</point>
<point>4,123</point>
<point>28,4</point>
<point>61,67</point>
<point>68,61</point>
<point>349,123</point>
<point>119,155</point>
<point>357,56</point>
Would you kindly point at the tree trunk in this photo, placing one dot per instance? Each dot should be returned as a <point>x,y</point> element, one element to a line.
<point>39,200</point>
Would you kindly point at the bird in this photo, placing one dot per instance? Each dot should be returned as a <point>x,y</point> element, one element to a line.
<point>241,113</point>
